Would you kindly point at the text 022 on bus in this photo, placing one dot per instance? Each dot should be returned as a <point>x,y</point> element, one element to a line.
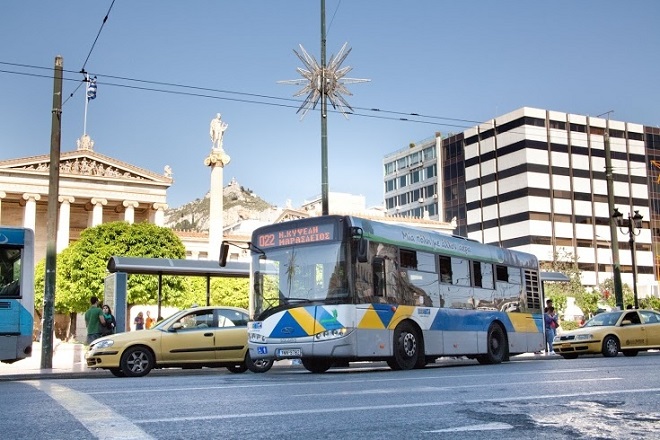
<point>16,293</point>
<point>335,289</point>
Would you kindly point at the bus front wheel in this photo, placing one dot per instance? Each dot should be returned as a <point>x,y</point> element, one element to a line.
<point>316,365</point>
<point>497,346</point>
<point>407,346</point>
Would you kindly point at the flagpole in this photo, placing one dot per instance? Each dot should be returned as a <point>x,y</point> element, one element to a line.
<point>86,102</point>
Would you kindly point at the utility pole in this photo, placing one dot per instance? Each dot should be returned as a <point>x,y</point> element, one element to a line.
<point>53,194</point>
<point>324,120</point>
<point>616,267</point>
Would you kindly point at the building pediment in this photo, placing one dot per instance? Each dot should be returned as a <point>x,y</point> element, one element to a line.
<point>85,164</point>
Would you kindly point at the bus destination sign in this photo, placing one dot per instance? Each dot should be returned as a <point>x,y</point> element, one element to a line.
<point>287,237</point>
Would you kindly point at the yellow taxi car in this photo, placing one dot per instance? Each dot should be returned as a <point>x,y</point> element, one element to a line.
<point>626,331</point>
<point>192,338</point>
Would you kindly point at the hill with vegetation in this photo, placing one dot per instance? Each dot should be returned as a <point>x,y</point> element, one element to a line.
<point>239,204</point>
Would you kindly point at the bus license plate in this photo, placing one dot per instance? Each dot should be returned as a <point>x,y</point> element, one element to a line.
<point>289,352</point>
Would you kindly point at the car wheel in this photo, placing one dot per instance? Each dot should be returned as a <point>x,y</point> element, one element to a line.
<point>241,368</point>
<point>257,365</point>
<point>317,365</point>
<point>569,356</point>
<point>117,372</point>
<point>630,353</point>
<point>610,346</point>
<point>137,361</point>
<point>406,346</point>
<point>497,346</point>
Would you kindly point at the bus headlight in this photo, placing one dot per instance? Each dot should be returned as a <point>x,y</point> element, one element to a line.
<point>331,334</point>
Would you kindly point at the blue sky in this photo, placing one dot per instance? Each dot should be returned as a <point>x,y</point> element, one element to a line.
<point>458,62</point>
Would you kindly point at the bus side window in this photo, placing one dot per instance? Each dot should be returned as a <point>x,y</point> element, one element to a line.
<point>445,269</point>
<point>378,268</point>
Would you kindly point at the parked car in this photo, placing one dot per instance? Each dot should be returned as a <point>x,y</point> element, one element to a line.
<point>192,338</point>
<point>627,331</point>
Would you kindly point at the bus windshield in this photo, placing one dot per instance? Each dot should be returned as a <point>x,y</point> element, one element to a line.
<point>10,272</point>
<point>292,276</point>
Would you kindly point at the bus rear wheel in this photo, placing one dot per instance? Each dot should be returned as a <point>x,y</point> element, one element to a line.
<point>407,346</point>
<point>316,365</point>
<point>497,346</point>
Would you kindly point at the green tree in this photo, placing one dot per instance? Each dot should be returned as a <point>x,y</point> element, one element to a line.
<point>606,289</point>
<point>564,262</point>
<point>81,268</point>
<point>651,302</point>
<point>224,291</point>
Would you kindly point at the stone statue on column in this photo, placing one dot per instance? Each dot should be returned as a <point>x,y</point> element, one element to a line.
<point>216,161</point>
<point>217,131</point>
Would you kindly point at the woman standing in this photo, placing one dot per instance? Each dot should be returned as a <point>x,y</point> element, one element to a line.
<point>110,322</point>
<point>139,321</point>
<point>551,324</point>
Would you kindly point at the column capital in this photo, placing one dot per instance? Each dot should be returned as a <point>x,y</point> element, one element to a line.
<point>159,206</point>
<point>28,196</point>
<point>97,201</point>
<point>3,194</point>
<point>66,199</point>
<point>130,203</point>
<point>218,157</point>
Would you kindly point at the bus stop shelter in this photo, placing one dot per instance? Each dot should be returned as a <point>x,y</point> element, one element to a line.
<point>168,266</point>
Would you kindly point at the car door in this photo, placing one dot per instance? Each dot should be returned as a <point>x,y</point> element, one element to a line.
<point>231,335</point>
<point>193,342</point>
<point>651,322</point>
<point>632,334</point>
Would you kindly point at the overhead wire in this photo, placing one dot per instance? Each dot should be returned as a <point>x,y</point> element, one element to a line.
<point>295,103</point>
<point>89,54</point>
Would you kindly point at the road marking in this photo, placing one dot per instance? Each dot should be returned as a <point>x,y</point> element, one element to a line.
<point>96,417</point>
<point>485,427</point>
<point>328,380</point>
<point>435,389</point>
<point>397,406</point>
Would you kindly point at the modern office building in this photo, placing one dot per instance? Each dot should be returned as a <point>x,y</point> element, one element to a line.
<point>535,180</point>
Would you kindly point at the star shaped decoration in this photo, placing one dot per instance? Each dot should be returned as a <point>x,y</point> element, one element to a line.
<point>335,81</point>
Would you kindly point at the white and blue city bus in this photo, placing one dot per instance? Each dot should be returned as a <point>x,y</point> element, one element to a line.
<point>335,289</point>
<point>16,293</point>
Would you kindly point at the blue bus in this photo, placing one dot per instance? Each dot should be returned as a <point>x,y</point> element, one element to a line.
<point>335,289</point>
<point>16,293</point>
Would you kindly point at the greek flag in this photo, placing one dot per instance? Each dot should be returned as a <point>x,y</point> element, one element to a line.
<point>91,89</point>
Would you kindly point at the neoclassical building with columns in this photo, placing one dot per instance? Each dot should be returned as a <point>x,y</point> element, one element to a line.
<point>93,189</point>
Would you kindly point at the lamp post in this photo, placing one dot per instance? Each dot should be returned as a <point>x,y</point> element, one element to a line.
<point>634,226</point>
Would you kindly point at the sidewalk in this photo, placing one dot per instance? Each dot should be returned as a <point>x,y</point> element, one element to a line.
<point>67,358</point>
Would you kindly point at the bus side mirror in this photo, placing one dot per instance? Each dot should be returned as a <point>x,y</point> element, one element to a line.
<point>362,250</point>
<point>224,251</point>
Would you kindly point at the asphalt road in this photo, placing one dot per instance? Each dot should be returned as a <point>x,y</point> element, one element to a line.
<point>587,398</point>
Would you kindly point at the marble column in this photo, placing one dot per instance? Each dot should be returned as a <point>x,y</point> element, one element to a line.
<point>217,161</point>
<point>97,211</point>
<point>30,211</point>
<point>159,214</point>
<point>64,222</point>
<point>2,196</point>
<point>129,214</point>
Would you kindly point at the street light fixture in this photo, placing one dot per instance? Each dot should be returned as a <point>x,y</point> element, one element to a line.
<point>634,226</point>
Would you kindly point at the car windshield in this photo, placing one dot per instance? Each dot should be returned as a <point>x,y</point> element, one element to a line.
<point>300,274</point>
<point>603,319</point>
<point>167,321</point>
